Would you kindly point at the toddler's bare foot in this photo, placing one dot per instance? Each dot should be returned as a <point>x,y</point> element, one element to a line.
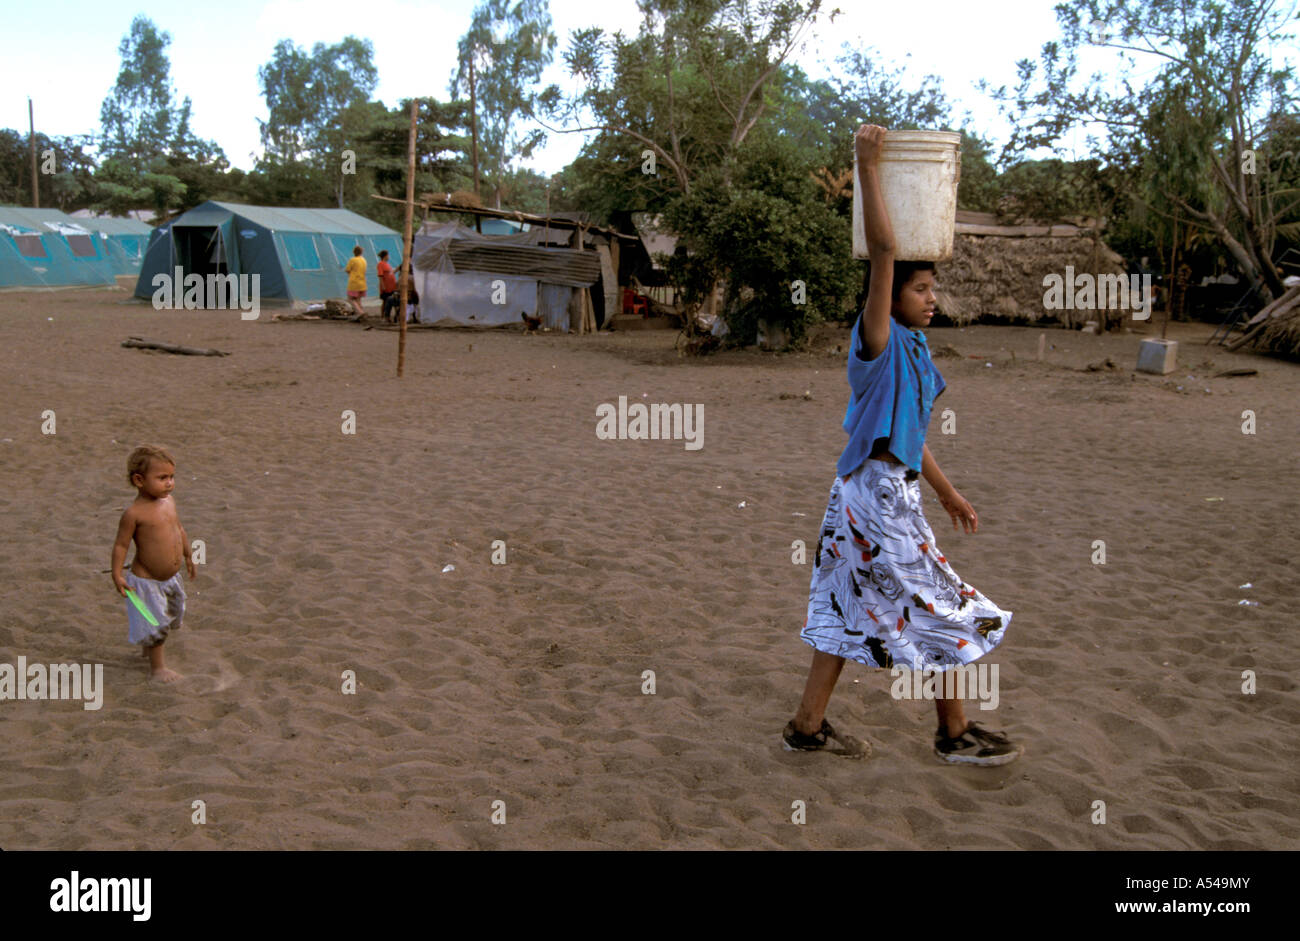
<point>158,668</point>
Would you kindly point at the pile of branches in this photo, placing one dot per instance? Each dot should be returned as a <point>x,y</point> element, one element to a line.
<point>1276,328</point>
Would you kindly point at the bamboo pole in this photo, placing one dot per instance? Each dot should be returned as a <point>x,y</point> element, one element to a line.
<point>513,215</point>
<point>403,285</point>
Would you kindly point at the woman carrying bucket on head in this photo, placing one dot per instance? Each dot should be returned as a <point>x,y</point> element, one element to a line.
<point>882,592</point>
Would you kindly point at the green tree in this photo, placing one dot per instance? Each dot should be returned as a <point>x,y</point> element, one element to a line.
<point>1193,126</point>
<point>72,185</point>
<point>760,224</point>
<point>1279,166</point>
<point>529,191</point>
<point>69,187</point>
<point>286,183</point>
<point>121,187</point>
<point>823,116</point>
<point>206,174</point>
<point>509,44</point>
<point>441,165</point>
<point>979,188</point>
<point>139,116</point>
<point>689,88</point>
<point>147,146</point>
<point>305,93</point>
<point>318,109</point>
<point>677,103</point>
<point>15,170</point>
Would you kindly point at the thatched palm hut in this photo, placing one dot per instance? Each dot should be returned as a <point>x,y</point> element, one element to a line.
<point>996,271</point>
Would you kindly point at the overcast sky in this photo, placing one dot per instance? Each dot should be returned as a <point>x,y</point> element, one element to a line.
<point>64,54</point>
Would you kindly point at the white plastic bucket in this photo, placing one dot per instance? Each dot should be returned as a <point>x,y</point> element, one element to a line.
<point>919,173</point>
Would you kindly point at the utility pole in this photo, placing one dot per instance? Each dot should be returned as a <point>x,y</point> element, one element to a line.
<point>31,123</point>
<point>473,132</point>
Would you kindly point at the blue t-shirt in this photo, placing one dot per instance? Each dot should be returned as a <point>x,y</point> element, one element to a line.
<point>892,397</point>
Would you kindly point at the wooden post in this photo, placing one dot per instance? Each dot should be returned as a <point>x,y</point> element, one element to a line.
<point>31,124</point>
<point>609,280</point>
<point>403,284</point>
<point>588,313</point>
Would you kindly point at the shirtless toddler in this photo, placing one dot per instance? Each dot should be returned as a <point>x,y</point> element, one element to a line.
<point>160,545</point>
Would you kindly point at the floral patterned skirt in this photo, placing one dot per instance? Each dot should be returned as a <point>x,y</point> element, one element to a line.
<point>882,592</point>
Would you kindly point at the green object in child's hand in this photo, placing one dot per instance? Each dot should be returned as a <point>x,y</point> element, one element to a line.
<point>141,607</point>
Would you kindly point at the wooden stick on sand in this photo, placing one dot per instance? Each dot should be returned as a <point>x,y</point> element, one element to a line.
<point>144,343</point>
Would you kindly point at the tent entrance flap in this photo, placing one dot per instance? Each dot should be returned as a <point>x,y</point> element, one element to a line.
<point>206,249</point>
<point>200,250</point>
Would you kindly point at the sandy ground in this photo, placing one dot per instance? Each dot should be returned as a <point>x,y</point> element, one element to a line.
<point>522,682</point>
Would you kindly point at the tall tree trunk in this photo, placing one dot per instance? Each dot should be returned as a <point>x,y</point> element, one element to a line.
<point>1173,286</point>
<point>1240,253</point>
<point>1255,239</point>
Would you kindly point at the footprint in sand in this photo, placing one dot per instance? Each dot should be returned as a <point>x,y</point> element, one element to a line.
<point>226,676</point>
<point>220,675</point>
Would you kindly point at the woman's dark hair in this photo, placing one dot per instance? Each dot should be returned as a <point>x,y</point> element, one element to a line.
<point>903,271</point>
<point>384,253</point>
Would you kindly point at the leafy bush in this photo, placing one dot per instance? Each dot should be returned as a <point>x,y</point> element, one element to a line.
<point>759,223</point>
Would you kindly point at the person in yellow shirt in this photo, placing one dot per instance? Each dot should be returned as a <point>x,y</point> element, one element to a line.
<point>356,269</point>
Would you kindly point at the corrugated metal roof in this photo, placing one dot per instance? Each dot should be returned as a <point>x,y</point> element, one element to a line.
<point>513,255</point>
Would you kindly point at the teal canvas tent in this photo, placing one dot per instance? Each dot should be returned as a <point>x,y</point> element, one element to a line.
<point>298,254</point>
<point>123,240</point>
<point>45,248</point>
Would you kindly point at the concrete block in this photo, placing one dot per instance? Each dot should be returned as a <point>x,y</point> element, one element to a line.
<point>1158,356</point>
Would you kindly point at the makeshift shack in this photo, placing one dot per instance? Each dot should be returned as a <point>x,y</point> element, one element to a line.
<point>491,280</point>
<point>644,262</point>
